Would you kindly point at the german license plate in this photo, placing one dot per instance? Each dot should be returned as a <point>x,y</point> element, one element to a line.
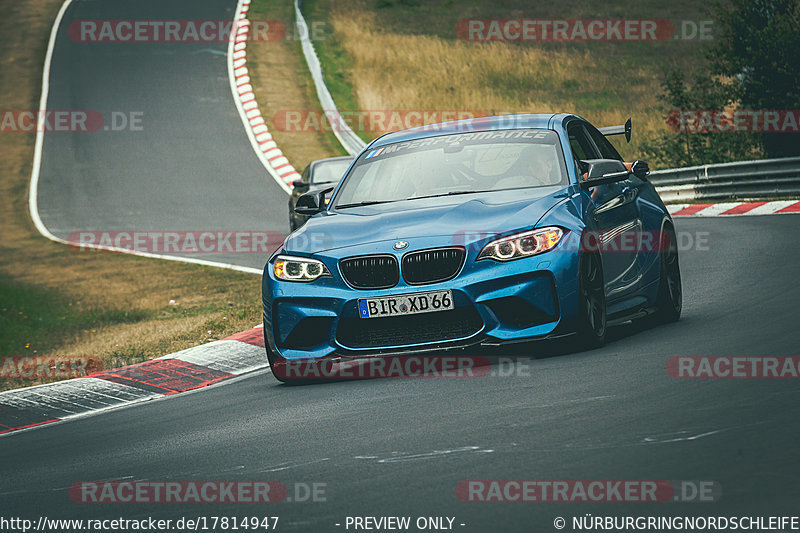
<point>405,304</point>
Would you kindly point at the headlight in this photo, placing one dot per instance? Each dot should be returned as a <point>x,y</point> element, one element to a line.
<point>298,268</point>
<point>522,245</point>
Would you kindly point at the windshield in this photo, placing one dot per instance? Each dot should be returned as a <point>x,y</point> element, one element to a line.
<point>329,171</point>
<point>455,164</point>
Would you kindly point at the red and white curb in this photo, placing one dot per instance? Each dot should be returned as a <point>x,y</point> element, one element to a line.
<point>190,369</point>
<point>734,208</point>
<point>271,156</point>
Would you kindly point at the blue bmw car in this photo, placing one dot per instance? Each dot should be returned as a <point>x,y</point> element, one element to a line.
<point>484,231</point>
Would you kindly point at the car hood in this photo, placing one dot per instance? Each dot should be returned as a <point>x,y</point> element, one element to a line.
<point>495,212</point>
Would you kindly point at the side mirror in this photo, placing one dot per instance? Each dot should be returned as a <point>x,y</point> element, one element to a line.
<point>640,169</point>
<point>602,171</point>
<point>299,184</point>
<point>312,202</point>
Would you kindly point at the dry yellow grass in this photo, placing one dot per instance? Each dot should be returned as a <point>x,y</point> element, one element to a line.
<point>396,69</point>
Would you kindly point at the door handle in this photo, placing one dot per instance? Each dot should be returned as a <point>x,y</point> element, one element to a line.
<point>630,193</point>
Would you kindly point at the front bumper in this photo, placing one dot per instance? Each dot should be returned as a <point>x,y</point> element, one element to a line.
<point>494,302</point>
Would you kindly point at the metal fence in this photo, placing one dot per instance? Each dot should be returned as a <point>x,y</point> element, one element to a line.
<point>763,179</point>
<point>347,137</point>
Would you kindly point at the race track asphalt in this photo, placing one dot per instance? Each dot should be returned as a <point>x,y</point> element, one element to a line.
<point>395,447</point>
<point>185,165</point>
<point>401,446</point>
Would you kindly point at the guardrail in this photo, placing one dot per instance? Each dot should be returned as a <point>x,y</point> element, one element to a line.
<point>743,180</point>
<point>347,137</point>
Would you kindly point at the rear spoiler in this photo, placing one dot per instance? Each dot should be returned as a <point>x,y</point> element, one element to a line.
<point>618,130</point>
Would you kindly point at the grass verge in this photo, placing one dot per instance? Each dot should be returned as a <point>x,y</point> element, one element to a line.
<point>405,54</point>
<point>112,307</point>
<point>281,83</point>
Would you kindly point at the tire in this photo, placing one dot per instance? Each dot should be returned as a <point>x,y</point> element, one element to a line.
<point>591,328</point>
<point>669,301</point>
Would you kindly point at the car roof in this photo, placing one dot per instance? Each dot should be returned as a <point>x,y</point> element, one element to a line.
<point>331,159</point>
<point>488,123</point>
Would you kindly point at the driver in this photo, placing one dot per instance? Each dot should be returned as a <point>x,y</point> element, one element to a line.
<point>536,162</point>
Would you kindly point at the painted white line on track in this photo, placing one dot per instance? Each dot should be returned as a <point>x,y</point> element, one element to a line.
<point>33,189</point>
<point>33,192</point>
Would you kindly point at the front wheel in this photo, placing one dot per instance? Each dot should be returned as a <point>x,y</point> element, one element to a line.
<point>591,330</point>
<point>278,365</point>
<point>669,301</point>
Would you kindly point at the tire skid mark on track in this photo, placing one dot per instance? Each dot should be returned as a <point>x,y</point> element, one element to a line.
<point>190,369</point>
<point>734,208</point>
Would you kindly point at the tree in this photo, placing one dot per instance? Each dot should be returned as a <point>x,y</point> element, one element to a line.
<point>688,144</point>
<point>757,43</point>
<point>752,65</point>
